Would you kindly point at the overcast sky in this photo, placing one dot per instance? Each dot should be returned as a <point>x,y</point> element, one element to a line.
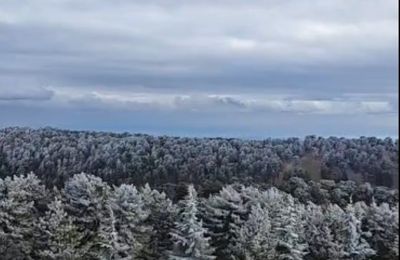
<point>231,68</point>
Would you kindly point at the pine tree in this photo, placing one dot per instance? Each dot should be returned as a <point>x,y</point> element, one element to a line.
<point>287,224</point>
<point>321,239</point>
<point>161,216</point>
<point>189,237</point>
<point>355,245</point>
<point>348,232</point>
<point>288,230</point>
<point>86,199</point>
<point>224,214</point>
<point>254,240</point>
<point>383,224</point>
<point>20,207</point>
<point>126,221</point>
<point>58,236</point>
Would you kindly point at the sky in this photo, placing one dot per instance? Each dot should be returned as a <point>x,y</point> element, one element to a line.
<point>230,68</point>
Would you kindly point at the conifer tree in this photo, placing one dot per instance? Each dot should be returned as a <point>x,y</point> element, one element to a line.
<point>20,207</point>
<point>320,237</point>
<point>255,235</point>
<point>383,224</point>
<point>355,246</point>
<point>288,231</point>
<point>126,221</point>
<point>189,235</point>
<point>288,222</point>
<point>161,216</point>
<point>59,237</point>
<point>86,198</point>
<point>224,214</point>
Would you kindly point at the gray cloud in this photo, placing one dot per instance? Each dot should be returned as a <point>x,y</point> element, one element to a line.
<point>287,58</point>
<point>259,45</point>
<point>30,94</point>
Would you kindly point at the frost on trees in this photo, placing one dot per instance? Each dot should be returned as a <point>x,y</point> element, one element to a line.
<point>382,222</point>
<point>254,240</point>
<point>189,235</point>
<point>55,155</point>
<point>89,219</point>
<point>320,236</point>
<point>224,214</point>
<point>58,236</point>
<point>288,230</point>
<point>162,213</point>
<point>127,216</point>
<point>20,204</point>
<point>87,197</point>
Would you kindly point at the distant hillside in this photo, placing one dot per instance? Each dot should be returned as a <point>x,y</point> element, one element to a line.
<point>55,155</point>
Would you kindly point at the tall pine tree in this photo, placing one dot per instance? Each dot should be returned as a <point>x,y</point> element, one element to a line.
<point>189,235</point>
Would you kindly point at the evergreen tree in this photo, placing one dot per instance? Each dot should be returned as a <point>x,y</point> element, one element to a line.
<point>255,240</point>
<point>288,231</point>
<point>59,237</point>
<point>162,212</point>
<point>355,246</point>
<point>189,235</point>
<point>348,232</point>
<point>224,214</point>
<point>321,239</point>
<point>20,206</point>
<point>287,224</point>
<point>382,222</point>
<point>86,199</point>
<point>126,217</point>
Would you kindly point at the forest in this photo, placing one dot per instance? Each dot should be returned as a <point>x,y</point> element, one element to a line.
<point>208,163</point>
<point>90,219</point>
<point>95,195</point>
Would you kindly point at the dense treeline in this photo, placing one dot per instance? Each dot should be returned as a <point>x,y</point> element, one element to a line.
<point>89,219</point>
<point>169,163</point>
<point>341,193</point>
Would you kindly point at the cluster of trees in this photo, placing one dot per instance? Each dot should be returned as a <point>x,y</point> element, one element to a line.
<point>340,193</point>
<point>90,219</point>
<point>209,163</point>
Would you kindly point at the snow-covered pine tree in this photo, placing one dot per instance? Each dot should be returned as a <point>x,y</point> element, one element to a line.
<point>348,233</point>
<point>59,237</point>
<point>224,214</point>
<point>107,242</point>
<point>189,235</point>
<point>355,246</point>
<point>288,222</point>
<point>127,216</point>
<point>162,212</point>
<point>320,238</point>
<point>290,233</point>
<point>22,199</point>
<point>383,224</point>
<point>254,239</point>
<point>86,201</point>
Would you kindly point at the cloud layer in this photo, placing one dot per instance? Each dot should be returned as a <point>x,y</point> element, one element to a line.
<point>21,93</point>
<point>271,59</point>
<point>217,102</point>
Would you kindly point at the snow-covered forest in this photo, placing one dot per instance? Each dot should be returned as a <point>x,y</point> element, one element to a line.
<point>208,163</point>
<point>93,195</point>
<point>90,219</point>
